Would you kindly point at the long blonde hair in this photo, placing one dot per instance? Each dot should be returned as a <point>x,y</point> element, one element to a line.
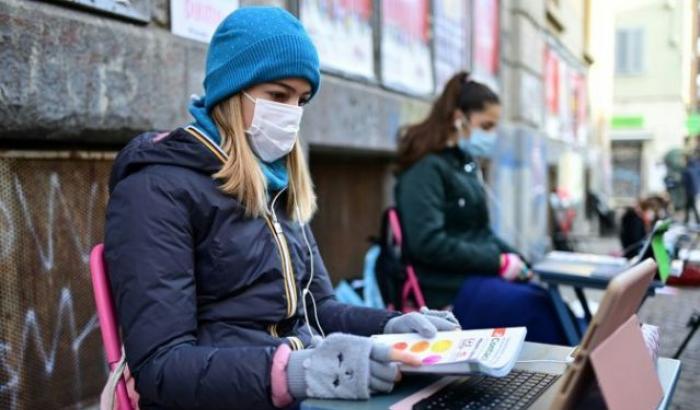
<point>242,176</point>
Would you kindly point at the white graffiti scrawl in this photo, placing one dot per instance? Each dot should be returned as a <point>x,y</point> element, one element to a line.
<point>37,220</point>
<point>32,337</point>
<point>46,252</point>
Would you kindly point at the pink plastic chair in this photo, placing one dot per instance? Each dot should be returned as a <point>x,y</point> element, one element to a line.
<point>410,286</point>
<point>108,321</point>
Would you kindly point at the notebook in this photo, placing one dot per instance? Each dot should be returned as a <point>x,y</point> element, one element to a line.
<point>492,352</point>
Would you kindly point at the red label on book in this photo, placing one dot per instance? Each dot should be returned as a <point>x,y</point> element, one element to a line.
<point>499,332</point>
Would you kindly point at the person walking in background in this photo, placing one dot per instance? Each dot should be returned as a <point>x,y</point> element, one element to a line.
<point>442,205</point>
<point>690,186</point>
<point>635,224</point>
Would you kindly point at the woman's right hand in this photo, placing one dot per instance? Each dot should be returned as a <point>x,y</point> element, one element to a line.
<point>513,268</point>
<point>345,367</point>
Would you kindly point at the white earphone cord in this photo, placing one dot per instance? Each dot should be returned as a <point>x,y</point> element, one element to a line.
<point>306,290</point>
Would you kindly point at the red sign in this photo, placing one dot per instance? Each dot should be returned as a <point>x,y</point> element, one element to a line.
<point>551,81</point>
<point>486,35</point>
<point>411,16</point>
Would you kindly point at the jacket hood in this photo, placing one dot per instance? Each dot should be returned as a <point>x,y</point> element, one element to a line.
<point>177,148</point>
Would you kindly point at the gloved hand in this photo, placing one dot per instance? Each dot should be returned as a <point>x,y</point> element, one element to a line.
<point>513,268</point>
<point>344,366</point>
<point>426,323</point>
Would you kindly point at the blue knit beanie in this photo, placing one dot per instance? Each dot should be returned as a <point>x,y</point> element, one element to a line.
<point>254,45</point>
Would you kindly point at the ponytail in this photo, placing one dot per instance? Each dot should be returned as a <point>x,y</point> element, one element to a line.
<point>434,132</point>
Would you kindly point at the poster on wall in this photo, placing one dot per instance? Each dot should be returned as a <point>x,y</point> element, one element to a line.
<point>486,48</point>
<point>451,29</point>
<point>198,19</point>
<point>342,33</point>
<point>405,46</point>
<point>566,115</point>
<point>551,83</point>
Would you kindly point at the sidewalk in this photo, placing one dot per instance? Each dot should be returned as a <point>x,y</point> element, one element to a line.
<point>670,313</point>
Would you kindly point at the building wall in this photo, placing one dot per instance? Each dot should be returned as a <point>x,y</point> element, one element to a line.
<point>571,12</point>
<point>660,94</point>
<point>600,88</point>
<point>663,29</point>
<point>520,213</point>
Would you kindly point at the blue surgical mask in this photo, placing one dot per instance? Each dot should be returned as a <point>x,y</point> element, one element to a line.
<point>480,143</point>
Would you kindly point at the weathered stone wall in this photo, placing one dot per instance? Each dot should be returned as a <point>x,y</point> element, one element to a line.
<point>73,75</point>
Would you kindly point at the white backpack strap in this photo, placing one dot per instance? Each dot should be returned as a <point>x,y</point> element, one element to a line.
<point>110,389</point>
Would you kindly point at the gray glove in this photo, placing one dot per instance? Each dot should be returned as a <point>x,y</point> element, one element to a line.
<point>341,367</point>
<point>426,323</point>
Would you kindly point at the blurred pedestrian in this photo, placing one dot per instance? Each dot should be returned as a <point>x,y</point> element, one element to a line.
<point>690,186</point>
<point>635,224</point>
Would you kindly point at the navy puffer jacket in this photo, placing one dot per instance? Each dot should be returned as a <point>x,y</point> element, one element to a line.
<point>202,293</point>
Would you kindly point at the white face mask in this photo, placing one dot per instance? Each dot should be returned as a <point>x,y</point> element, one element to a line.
<point>274,128</point>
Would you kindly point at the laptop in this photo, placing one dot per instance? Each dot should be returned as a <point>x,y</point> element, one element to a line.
<point>540,390</point>
<point>563,266</point>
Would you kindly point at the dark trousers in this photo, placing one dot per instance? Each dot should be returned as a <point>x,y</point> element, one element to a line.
<point>690,206</point>
<point>490,301</point>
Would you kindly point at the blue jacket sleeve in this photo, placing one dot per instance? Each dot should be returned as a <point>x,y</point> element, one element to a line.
<point>340,317</point>
<point>149,252</point>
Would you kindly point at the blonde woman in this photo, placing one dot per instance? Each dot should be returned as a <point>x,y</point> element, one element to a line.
<point>221,293</point>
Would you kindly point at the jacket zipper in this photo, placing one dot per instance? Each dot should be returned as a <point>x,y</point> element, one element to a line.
<point>287,269</point>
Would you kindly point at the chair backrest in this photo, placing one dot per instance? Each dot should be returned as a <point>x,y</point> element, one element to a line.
<point>410,286</point>
<point>108,320</point>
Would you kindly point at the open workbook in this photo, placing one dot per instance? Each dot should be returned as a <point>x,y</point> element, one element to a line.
<point>487,351</point>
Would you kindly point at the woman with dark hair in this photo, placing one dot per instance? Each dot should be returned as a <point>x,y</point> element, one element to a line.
<point>442,205</point>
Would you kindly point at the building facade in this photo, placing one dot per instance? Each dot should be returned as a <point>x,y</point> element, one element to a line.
<point>654,83</point>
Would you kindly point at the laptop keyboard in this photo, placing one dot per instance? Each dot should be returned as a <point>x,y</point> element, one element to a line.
<point>517,390</point>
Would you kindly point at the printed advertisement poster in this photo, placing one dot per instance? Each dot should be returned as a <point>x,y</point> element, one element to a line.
<point>342,33</point>
<point>551,83</point>
<point>405,48</point>
<point>451,28</point>
<point>566,110</point>
<point>486,44</point>
<point>198,19</point>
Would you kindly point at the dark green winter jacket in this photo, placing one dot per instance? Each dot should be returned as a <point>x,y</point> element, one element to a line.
<point>444,216</point>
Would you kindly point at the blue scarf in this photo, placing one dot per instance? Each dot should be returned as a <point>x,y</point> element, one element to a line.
<point>275,172</point>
